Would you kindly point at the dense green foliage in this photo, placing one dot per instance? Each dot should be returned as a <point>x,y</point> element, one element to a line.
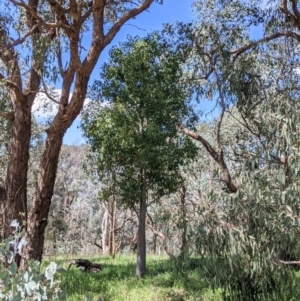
<point>135,129</point>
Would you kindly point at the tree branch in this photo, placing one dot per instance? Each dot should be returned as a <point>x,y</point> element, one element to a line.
<point>39,19</point>
<point>99,40</point>
<point>58,55</point>
<point>59,11</point>
<point>122,225</point>
<point>13,86</point>
<point>218,157</point>
<point>289,262</point>
<point>47,94</point>
<point>158,234</point>
<point>236,53</point>
<point>123,19</point>
<point>19,41</point>
<point>8,115</point>
<point>97,245</point>
<point>295,9</point>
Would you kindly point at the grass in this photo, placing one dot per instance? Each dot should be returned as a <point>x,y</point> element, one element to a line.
<point>162,282</point>
<point>117,281</point>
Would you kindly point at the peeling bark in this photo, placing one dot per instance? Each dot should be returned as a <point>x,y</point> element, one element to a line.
<point>16,180</point>
<point>2,203</point>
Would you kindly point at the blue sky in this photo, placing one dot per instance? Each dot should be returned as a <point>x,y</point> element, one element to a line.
<point>153,19</point>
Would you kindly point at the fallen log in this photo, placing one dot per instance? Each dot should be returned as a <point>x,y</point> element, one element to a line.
<point>289,262</point>
<point>86,265</point>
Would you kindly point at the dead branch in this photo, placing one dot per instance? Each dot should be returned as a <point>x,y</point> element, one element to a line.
<point>289,262</point>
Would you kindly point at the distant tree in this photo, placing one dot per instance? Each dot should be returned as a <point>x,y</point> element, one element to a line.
<point>133,135</point>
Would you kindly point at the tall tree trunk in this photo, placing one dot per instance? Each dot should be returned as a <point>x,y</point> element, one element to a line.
<point>141,239</point>
<point>2,200</point>
<point>21,97</point>
<point>154,243</point>
<point>16,180</point>
<point>104,227</point>
<point>183,247</point>
<point>38,216</point>
<point>112,224</point>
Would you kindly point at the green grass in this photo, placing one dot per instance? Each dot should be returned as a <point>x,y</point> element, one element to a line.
<point>162,282</point>
<point>117,281</point>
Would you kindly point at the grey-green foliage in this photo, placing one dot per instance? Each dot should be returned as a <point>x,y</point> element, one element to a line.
<point>248,238</point>
<point>26,284</point>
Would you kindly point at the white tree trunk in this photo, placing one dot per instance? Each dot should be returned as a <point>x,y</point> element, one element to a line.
<point>104,228</point>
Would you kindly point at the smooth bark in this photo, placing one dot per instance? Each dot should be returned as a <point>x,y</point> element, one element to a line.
<point>112,224</point>
<point>217,156</point>
<point>141,235</point>
<point>104,227</point>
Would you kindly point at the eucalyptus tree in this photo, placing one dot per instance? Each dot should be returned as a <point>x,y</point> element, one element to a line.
<point>217,41</point>
<point>253,234</point>
<point>133,135</point>
<point>43,43</point>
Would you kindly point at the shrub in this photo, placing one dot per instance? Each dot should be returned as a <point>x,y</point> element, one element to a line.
<point>25,284</point>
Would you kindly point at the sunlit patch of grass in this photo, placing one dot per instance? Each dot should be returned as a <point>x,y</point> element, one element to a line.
<point>165,281</point>
<point>117,281</point>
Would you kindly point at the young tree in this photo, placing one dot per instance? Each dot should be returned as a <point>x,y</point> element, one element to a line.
<point>41,43</point>
<point>134,136</point>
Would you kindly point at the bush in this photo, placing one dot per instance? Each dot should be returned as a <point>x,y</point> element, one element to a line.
<point>246,243</point>
<point>27,284</point>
